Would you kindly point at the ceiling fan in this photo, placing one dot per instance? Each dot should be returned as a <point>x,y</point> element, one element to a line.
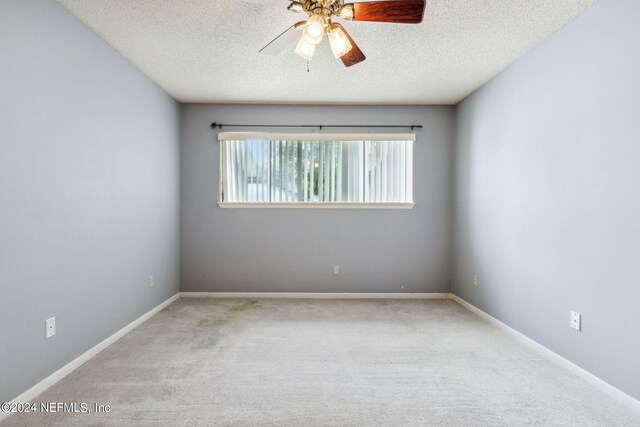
<point>322,14</point>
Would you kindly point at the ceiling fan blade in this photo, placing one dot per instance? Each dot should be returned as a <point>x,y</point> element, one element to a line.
<point>283,40</point>
<point>355,55</point>
<point>397,11</point>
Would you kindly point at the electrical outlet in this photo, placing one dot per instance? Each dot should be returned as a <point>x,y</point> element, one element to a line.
<point>50,328</point>
<point>152,282</point>
<point>576,321</point>
<point>336,270</point>
<point>475,280</point>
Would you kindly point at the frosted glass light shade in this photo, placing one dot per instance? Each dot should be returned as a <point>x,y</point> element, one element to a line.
<point>339,41</point>
<point>314,29</point>
<point>295,6</point>
<point>305,49</point>
<point>346,12</point>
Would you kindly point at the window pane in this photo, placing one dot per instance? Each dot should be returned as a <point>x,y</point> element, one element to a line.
<point>245,171</point>
<point>283,171</point>
<point>319,177</point>
<point>330,171</point>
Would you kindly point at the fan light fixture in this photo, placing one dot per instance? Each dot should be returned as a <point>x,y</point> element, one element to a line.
<point>346,12</point>
<point>314,29</point>
<point>295,6</point>
<point>322,14</point>
<point>339,41</point>
<point>305,49</point>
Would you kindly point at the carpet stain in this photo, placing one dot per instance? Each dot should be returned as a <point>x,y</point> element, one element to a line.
<point>239,308</point>
<point>207,344</point>
<point>202,323</point>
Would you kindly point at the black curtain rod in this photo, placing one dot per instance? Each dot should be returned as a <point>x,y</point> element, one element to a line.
<point>412,127</point>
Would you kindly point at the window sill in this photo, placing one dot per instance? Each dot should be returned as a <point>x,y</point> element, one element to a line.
<point>307,205</point>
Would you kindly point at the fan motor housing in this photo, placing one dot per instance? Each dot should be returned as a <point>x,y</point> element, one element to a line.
<point>318,7</point>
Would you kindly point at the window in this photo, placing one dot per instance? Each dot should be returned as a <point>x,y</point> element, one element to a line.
<point>316,170</point>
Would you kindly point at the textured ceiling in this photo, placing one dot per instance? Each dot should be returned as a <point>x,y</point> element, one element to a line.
<point>207,50</point>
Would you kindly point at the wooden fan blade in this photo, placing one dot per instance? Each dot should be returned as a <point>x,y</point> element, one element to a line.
<point>283,40</point>
<point>397,11</point>
<point>355,55</point>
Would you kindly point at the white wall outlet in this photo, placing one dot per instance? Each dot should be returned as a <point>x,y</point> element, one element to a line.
<point>336,270</point>
<point>576,321</point>
<point>50,328</point>
<point>152,282</point>
<point>475,280</point>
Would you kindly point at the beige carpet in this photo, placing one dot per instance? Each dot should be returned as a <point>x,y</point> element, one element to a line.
<point>325,363</point>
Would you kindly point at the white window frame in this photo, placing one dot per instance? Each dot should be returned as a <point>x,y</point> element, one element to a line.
<point>239,136</point>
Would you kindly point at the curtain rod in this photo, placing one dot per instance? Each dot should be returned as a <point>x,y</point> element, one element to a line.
<point>412,127</point>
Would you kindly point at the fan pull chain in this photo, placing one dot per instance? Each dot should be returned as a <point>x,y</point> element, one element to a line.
<point>308,65</point>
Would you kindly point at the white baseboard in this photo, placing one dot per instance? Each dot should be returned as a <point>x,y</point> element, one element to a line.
<point>314,295</point>
<point>544,351</point>
<point>58,375</point>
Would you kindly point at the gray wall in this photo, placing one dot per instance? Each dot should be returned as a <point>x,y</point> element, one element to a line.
<point>293,250</point>
<point>88,191</point>
<point>548,193</point>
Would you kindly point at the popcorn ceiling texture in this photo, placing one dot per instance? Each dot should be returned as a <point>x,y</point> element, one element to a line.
<point>207,50</point>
